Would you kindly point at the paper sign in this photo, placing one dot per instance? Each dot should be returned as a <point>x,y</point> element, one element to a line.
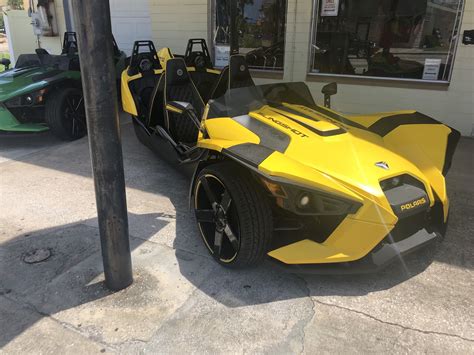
<point>222,56</point>
<point>329,7</point>
<point>431,70</point>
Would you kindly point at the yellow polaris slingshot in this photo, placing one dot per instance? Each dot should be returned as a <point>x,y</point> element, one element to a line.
<point>275,174</point>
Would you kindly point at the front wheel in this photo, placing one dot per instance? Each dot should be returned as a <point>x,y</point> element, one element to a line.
<point>65,114</point>
<point>233,215</point>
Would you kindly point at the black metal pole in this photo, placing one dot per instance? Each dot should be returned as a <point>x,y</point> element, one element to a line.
<point>234,35</point>
<point>93,26</point>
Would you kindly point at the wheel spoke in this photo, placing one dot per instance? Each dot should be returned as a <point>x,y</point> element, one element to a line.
<point>78,104</point>
<point>226,201</point>
<point>70,104</point>
<point>232,238</point>
<point>210,194</point>
<point>80,119</point>
<point>203,216</point>
<point>218,243</point>
<point>74,126</point>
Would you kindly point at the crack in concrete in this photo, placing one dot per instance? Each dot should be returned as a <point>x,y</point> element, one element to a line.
<point>392,323</point>
<point>65,325</point>
<point>313,313</point>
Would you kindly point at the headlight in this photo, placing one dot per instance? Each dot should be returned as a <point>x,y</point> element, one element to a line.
<point>301,200</point>
<point>30,99</point>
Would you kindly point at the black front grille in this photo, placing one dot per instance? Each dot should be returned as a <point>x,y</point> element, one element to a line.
<point>33,114</point>
<point>290,228</point>
<point>408,226</point>
<point>432,220</point>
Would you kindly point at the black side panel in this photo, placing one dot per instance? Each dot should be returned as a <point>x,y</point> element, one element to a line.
<point>387,124</point>
<point>269,137</point>
<point>453,139</point>
<point>249,153</point>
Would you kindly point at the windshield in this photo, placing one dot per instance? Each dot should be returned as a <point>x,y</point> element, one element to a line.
<point>240,101</point>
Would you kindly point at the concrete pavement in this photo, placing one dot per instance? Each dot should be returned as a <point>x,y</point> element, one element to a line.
<point>181,300</point>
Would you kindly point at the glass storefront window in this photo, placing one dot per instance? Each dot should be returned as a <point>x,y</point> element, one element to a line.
<point>405,39</point>
<point>259,27</point>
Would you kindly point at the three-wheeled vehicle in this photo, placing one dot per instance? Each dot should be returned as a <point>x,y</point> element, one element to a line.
<point>44,92</point>
<point>273,173</point>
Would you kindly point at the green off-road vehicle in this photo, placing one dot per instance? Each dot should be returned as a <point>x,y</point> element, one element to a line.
<point>44,92</point>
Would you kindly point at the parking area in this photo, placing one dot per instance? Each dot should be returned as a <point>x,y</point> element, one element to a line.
<point>181,300</point>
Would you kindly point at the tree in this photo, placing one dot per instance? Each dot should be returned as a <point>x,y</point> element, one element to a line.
<point>15,4</point>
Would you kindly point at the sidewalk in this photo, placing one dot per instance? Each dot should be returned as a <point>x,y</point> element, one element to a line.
<point>181,300</point>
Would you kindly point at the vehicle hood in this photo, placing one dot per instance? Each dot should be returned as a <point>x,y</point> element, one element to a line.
<point>20,81</point>
<point>298,138</point>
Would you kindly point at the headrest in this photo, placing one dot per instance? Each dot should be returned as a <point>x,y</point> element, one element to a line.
<point>176,72</point>
<point>238,68</point>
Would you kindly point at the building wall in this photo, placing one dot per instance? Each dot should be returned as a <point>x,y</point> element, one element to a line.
<point>20,40</point>
<point>54,44</point>
<point>21,37</point>
<point>175,21</point>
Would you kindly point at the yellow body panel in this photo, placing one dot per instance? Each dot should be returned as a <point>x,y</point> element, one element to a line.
<point>352,240</point>
<point>343,165</point>
<point>128,103</point>
<point>164,54</point>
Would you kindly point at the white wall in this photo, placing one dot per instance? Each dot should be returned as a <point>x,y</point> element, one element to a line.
<point>175,21</point>
<point>130,22</point>
<point>20,40</point>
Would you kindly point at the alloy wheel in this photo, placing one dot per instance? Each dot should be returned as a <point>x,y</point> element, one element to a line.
<point>217,218</point>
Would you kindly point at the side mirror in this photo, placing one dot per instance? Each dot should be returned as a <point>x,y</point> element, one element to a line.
<point>5,62</point>
<point>329,90</point>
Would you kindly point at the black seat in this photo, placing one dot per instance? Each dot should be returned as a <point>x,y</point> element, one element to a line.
<point>144,61</point>
<point>180,87</point>
<point>236,75</point>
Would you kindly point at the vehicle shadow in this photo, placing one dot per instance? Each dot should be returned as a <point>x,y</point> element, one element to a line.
<point>270,283</point>
<point>79,243</point>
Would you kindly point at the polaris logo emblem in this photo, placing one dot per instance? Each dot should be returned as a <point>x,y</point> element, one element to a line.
<point>413,204</point>
<point>383,165</point>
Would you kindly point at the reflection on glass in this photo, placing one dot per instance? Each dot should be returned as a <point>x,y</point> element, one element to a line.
<point>260,29</point>
<point>411,39</point>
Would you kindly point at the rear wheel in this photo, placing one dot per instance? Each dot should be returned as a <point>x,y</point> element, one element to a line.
<point>65,114</point>
<point>233,215</point>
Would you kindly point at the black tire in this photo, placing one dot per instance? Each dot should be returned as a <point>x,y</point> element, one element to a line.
<point>237,206</point>
<point>65,114</point>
